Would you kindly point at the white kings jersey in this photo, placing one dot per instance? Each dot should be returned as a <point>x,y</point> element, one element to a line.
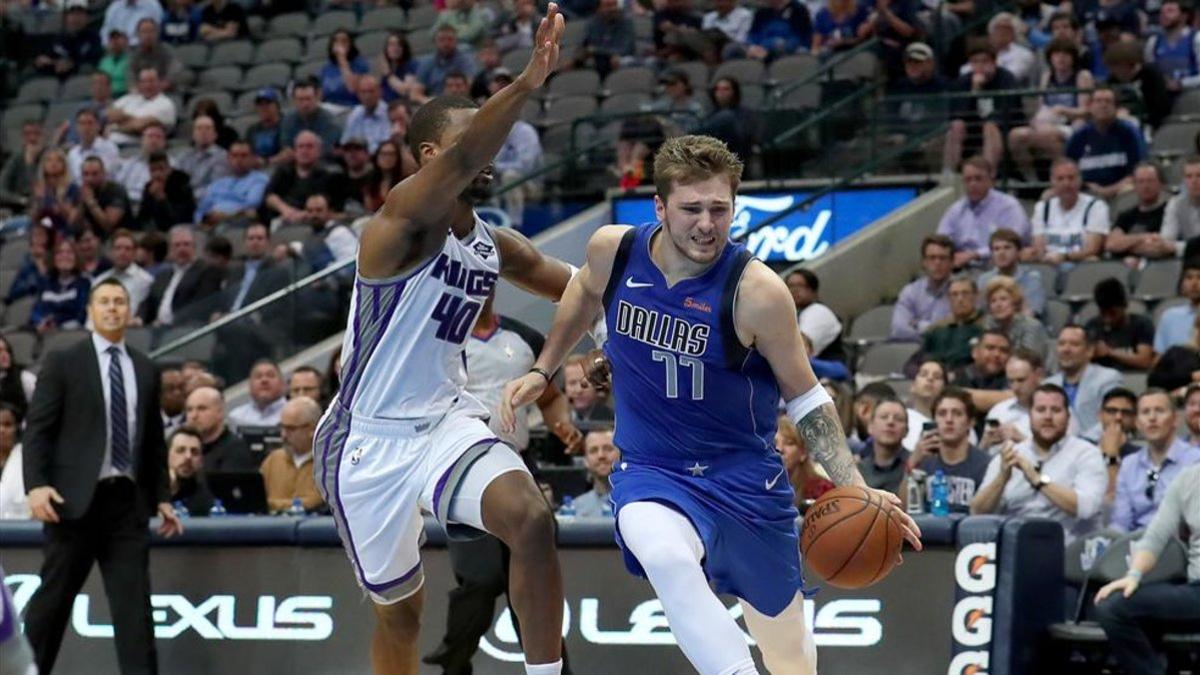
<point>403,355</point>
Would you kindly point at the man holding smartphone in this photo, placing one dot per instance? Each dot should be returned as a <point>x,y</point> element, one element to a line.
<point>948,447</point>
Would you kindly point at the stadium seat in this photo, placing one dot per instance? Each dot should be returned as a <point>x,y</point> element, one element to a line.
<point>1134,381</point>
<point>373,42</point>
<point>279,50</point>
<point>902,387</point>
<point>7,275</point>
<point>1082,278</point>
<point>421,42</point>
<point>17,314</point>
<point>240,124</point>
<point>78,88</point>
<point>58,113</point>
<point>643,28</point>
<point>232,53</point>
<point>1165,305</point>
<point>873,325</point>
<point>223,99</point>
<point>381,19</point>
<point>224,77</point>
<point>1057,315</point>
<point>573,35</point>
<point>625,103</point>
<point>420,18</point>
<point>515,60</point>
<point>745,71</point>
<point>52,342</point>
<point>17,115</point>
<point>308,69</point>
<point>861,66</point>
<point>294,24</point>
<point>532,111</point>
<point>140,337</point>
<point>267,75</point>
<point>23,344</point>
<point>801,98</point>
<point>244,105</point>
<point>291,233</point>
<point>1090,311</point>
<point>568,108</point>
<point>1049,274</point>
<point>634,79</point>
<point>1158,280</point>
<point>792,68</point>
<point>753,96</point>
<point>37,90</point>
<point>697,73</point>
<point>557,139</point>
<point>1174,139</point>
<point>328,23</point>
<point>200,349</point>
<point>887,359</point>
<point>12,254</point>
<point>317,49</point>
<point>573,83</point>
<point>194,55</point>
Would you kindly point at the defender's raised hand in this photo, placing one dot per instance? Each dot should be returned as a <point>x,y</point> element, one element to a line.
<point>545,50</point>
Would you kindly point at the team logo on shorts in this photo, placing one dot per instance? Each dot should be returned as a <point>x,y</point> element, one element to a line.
<point>356,455</point>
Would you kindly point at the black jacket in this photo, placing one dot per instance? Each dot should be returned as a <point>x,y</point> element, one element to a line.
<point>199,282</point>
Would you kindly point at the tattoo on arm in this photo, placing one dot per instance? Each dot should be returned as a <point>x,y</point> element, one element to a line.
<point>822,435</point>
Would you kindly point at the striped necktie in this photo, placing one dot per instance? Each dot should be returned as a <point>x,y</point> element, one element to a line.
<point>118,414</point>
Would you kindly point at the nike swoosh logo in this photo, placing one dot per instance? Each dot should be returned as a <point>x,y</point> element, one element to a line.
<point>630,283</point>
<point>770,485</point>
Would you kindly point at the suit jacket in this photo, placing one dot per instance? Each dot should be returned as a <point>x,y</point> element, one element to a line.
<point>64,431</point>
<point>201,281</point>
<point>1095,383</point>
<point>270,278</point>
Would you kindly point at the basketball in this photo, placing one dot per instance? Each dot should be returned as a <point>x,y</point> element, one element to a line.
<point>850,538</point>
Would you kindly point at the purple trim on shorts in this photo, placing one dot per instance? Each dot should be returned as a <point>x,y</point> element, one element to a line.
<point>445,478</point>
<point>380,588</point>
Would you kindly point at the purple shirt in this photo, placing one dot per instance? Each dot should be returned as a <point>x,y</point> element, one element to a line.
<point>920,304</point>
<point>971,225</point>
<point>1132,509</point>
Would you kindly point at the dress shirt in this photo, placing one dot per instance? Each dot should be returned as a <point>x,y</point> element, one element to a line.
<point>1132,509</point>
<point>971,225</point>
<point>133,176</point>
<point>1073,463</point>
<point>161,108</point>
<point>521,152</point>
<point>1174,327</point>
<point>101,148</point>
<point>1030,281</point>
<point>13,503</point>
<point>372,126</point>
<point>251,415</point>
<point>820,324</point>
<point>135,280</point>
<point>233,193</point>
<point>432,69</point>
<point>204,167</point>
<point>735,25</point>
<point>131,398</point>
<point>591,504</point>
<point>1181,506</point>
<point>1181,221</point>
<point>125,15</point>
<point>166,315</point>
<point>249,271</point>
<point>920,303</point>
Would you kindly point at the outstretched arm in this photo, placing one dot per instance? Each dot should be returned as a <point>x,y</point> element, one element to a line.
<point>527,268</point>
<point>411,226</point>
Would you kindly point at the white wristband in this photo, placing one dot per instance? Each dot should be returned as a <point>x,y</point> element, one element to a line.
<point>799,407</point>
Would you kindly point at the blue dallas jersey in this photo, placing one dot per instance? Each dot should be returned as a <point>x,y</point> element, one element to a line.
<point>678,364</point>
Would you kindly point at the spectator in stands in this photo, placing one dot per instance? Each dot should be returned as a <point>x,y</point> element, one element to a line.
<point>331,241</point>
<point>730,21</point>
<point>75,46</point>
<point>1126,67</point>
<point>840,25</point>
<point>457,84</point>
<point>20,171</point>
<point>178,288</point>
<point>1122,340</point>
<point>1011,55</point>
<point>307,115</point>
<point>396,69</point>
<point>287,472</point>
<point>1146,474</point>
<point>1128,614</point>
<point>1175,47</point>
<point>218,253</point>
<point>150,53</point>
<point>895,23</point>
<point>386,172</point>
<point>54,194</point>
<point>358,173</point>
<point>1106,149</point>
<point>1051,475</point>
<point>167,197</point>
<point>599,456</point>
<point>920,78</point>
<point>779,28</point>
<point>587,404</point>
<point>255,276</point>
<point>985,372</point>
<point>970,221</point>
<point>180,22</point>
<point>223,20</point>
<point>1181,219</point>
<point>91,144</point>
<point>1116,433</point>
<point>185,466</point>
<point>446,58</point>
<point>292,184</point>
<point>16,383</point>
<point>678,102</point>
<point>1191,414</point>
<point>883,460</point>
<point>520,156</point>
<point>980,122</point>
<point>1068,226</point>
<point>369,119</point>
<point>134,172</point>
<point>727,119</point>
<point>1005,247</point>
<point>930,379</point>
<point>950,450</point>
<point>341,72</point>
<point>948,340</point>
<point>92,260</point>
<point>152,252</point>
<point>1063,25</point>
<point>517,30</point>
<point>676,33</point>
<point>223,450</point>
<point>125,15</point>
<point>1175,326</point>
<point>13,502</point>
<point>131,114</point>
<point>122,247</point>
<point>1008,420</point>
<point>266,398</point>
<point>104,203</point>
<point>469,21</point>
<point>235,198</point>
<point>1084,382</point>
<point>115,62</point>
<point>1059,113</point>
<point>35,265</point>
<point>817,322</point>
<point>609,40</point>
<point>204,106</point>
<point>1136,233</point>
<point>306,381</point>
<point>1005,302</point>
<point>1178,366</point>
<point>205,161</point>
<point>807,479</point>
<point>62,300</point>
<point>265,136</point>
<point>99,99</point>
<point>489,63</point>
<point>925,301</point>
<point>865,400</point>
<point>398,115</point>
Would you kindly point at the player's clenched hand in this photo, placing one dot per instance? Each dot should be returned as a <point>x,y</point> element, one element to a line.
<point>570,435</point>
<point>597,370</point>
<point>909,526</point>
<point>519,393</point>
<point>545,47</point>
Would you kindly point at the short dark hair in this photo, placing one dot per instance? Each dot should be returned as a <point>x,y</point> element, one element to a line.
<point>184,430</point>
<point>996,332</point>
<point>154,242</point>
<point>1007,235</point>
<point>1122,54</point>
<point>980,46</point>
<point>1063,16</point>
<point>1087,337</point>
<point>1110,293</point>
<point>266,361</point>
<point>158,157</point>
<point>1156,167</point>
<point>18,415</point>
<point>241,141</point>
<point>1029,356</point>
<point>309,369</point>
<point>1064,46</point>
<point>887,399</point>
<point>875,391</point>
<point>107,281</point>
<point>939,240</point>
<point>86,111</point>
<point>125,233</point>
<point>1119,392</point>
<point>810,278</point>
<point>1191,159</point>
<point>458,75</point>
<point>958,394</point>
<point>430,120</point>
<point>1158,391</point>
<point>1051,388</point>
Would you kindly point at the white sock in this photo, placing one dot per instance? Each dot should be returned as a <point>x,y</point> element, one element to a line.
<point>544,668</point>
<point>670,550</point>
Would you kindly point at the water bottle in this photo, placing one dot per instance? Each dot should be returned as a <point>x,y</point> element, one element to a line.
<point>915,493</point>
<point>181,509</point>
<point>567,510</point>
<point>297,508</point>
<point>939,495</point>
<point>217,510</point>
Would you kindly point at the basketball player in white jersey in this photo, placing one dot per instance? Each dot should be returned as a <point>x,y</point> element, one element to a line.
<point>402,434</point>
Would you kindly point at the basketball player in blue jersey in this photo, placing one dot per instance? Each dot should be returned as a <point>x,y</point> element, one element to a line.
<point>402,434</point>
<point>702,342</point>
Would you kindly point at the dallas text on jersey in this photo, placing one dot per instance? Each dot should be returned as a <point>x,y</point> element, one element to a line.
<point>661,330</point>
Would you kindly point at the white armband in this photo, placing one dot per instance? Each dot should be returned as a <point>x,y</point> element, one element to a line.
<point>799,407</point>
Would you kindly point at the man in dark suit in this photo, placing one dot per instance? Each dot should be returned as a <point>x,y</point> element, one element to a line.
<point>186,288</point>
<point>95,491</point>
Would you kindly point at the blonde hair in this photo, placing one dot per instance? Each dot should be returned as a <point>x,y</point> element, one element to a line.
<point>691,159</point>
<point>1003,283</point>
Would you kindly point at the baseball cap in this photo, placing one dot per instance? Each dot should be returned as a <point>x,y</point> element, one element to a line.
<point>266,94</point>
<point>918,51</point>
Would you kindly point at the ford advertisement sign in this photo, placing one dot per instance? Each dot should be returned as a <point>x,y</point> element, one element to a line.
<point>801,235</point>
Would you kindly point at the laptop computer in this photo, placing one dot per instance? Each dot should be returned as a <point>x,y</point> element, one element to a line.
<point>239,491</point>
<point>261,440</point>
